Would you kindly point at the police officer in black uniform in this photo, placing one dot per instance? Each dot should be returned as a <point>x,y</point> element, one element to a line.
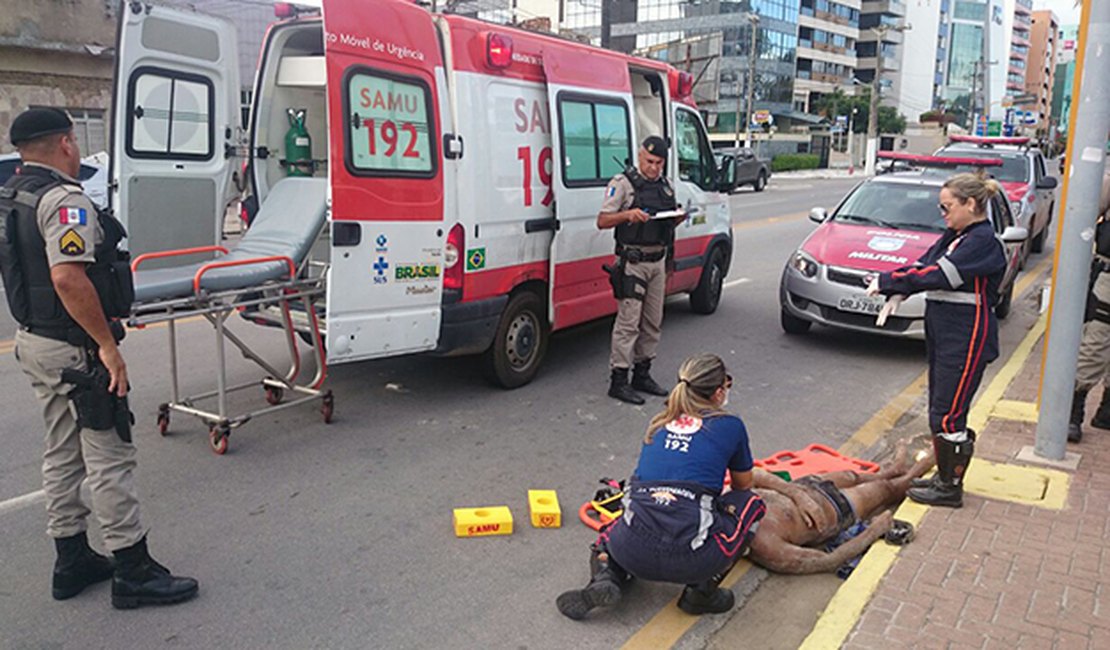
<point>639,276</point>
<point>67,285</point>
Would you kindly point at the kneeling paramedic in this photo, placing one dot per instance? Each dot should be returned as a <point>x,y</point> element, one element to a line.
<point>67,284</point>
<point>676,525</point>
<point>639,275</point>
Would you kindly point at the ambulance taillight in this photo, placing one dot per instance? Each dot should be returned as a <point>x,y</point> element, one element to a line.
<point>284,10</point>
<point>452,260</point>
<point>499,50</point>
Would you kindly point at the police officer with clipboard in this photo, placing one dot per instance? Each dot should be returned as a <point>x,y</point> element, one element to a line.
<point>67,285</point>
<point>633,198</point>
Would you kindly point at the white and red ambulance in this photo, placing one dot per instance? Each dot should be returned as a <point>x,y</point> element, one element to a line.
<point>465,164</point>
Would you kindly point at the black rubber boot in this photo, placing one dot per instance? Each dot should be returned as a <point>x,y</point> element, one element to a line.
<point>140,580</point>
<point>1101,420</point>
<point>953,459</point>
<point>619,388</point>
<point>1075,423</point>
<point>642,381</point>
<point>603,590</point>
<point>706,598</point>
<point>925,481</point>
<point>77,566</point>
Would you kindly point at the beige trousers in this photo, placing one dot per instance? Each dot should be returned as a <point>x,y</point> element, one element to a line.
<point>639,323</point>
<point>74,454</point>
<point>1094,349</point>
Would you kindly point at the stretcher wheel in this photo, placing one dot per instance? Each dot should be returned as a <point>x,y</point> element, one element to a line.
<point>327,407</point>
<point>218,439</point>
<point>274,395</point>
<point>163,421</point>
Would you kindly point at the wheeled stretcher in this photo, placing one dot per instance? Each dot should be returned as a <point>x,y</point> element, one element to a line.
<point>268,269</point>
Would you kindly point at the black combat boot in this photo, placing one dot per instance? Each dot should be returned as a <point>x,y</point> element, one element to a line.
<point>603,590</point>
<point>642,381</point>
<point>77,566</point>
<point>953,459</point>
<point>140,580</point>
<point>706,598</point>
<point>1075,423</point>
<point>619,388</point>
<point>1101,420</point>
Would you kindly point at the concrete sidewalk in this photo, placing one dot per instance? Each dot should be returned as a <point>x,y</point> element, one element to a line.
<point>1024,564</point>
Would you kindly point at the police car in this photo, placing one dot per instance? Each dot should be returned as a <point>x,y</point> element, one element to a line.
<point>1024,176</point>
<point>93,175</point>
<point>885,223</point>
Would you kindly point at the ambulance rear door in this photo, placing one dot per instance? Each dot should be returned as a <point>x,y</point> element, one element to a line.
<point>590,101</point>
<point>386,90</point>
<point>175,126</point>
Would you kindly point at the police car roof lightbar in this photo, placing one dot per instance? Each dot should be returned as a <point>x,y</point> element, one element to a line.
<point>988,140</point>
<point>940,161</point>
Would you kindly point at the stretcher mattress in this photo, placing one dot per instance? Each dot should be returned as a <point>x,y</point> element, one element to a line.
<point>286,224</point>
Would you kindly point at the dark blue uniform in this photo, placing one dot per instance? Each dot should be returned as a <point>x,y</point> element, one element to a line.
<point>961,274</point>
<point>676,526</point>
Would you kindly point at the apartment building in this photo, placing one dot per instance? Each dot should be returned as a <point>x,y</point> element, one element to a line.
<point>879,51</point>
<point>828,41</point>
<point>1041,70</point>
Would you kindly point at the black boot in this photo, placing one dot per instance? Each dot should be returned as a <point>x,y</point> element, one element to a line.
<point>619,388</point>
<point>603,590</point>
<point>953,459</point>
<point>1075,423</point>
<point>1101,420</point>
<point>706,598</point>
<point>77,566</point>
<point>642,381</point>
<point>139,580</point>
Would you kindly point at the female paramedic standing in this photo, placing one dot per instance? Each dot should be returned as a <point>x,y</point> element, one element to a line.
<point>960,275</point>
<point>677,526</point>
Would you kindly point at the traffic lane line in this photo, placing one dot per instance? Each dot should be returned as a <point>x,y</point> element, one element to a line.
<point>669,625</point>
<point>16,503</point>
<point>770,221</point>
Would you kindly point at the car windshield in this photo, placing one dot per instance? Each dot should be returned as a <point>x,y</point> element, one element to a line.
<point>893,205</point>
<point>1014,169</point>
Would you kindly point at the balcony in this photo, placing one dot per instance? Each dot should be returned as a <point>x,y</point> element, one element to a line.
<point>892,7</point>
<point>1021,10</point>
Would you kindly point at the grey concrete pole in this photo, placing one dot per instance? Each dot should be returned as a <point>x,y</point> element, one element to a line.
<point>1086,161</point>
<point>753,19</point>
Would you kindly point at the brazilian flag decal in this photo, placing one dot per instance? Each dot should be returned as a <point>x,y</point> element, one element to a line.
<point>475,259</point>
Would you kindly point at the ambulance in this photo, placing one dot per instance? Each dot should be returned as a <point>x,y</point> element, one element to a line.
<point>464,164</point>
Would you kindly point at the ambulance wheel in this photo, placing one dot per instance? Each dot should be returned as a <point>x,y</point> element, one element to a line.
<point>791,324</point>
<point>163,419</point>
<point>1002,309</point>
<point>705,298</point>
<point>218,439</point>
<point>519,343</point>
<point>760,182</point>
<point>274,395</point>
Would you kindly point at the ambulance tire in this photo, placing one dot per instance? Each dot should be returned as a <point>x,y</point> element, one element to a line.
<point>520,342</point>
<point>707,295</point>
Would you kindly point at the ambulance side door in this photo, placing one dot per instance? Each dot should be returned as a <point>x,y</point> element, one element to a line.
<point>696,188</point>
<point>590,103</point>
<point>175,127</point>
<point>386,95</point>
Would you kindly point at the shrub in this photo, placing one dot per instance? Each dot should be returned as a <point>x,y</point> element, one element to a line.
<point>790,161</point>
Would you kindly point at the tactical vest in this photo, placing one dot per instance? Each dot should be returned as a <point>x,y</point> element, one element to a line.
<point>26,270</point>
<point>651,197</point>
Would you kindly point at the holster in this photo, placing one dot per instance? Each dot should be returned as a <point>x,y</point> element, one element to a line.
<point>1095,308</point>
<point>624,285</point>
<point>98,409</point>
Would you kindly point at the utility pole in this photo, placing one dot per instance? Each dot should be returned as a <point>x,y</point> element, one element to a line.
<point>753,20</point>
<point>973,102</point>
<point>876,83</point>
<point>851,136</point>
<point>1087,161</point>
<point>606,23</point>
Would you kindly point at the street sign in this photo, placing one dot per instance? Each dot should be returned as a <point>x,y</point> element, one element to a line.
<point>994,128</point>
<point>1025,99</point>
<point>1007,101</point>
<point>761,117</point>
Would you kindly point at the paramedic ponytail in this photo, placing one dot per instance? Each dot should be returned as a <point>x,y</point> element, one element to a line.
<point>978,186</point>
<point>698,380</point>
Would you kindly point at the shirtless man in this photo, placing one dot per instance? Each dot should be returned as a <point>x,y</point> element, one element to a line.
<point>813,510</point>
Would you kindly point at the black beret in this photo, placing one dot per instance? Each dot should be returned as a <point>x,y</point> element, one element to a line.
<point>37,122</point>
<point>655,145</point>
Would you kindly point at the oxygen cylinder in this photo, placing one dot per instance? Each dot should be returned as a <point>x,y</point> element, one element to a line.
<point>298,145</point>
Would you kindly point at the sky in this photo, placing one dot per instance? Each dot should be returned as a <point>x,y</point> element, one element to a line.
<point>1066,10</point>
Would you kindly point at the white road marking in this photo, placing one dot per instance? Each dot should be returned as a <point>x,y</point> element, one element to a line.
<point>733,283</point>
<point>11,505</point>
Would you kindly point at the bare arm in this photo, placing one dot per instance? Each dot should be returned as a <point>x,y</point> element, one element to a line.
<point>83,304</point>
<point>741,480</point>
<point>784,557</point>
<point>606,220</point>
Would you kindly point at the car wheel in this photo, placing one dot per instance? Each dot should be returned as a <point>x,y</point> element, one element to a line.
<point>760,182</point>
<point>792,324</point>
<point>1037,246</point>
<point>705,298</point>
<point>519,343</point>
<point>1002,309</point>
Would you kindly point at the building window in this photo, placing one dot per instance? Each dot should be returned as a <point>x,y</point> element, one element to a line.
<point>90,129</point>
<point>169,115</point>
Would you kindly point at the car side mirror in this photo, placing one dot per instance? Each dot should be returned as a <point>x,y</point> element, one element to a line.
<point>818,215</point>
<point>1047,183</point>
<point>1015,234</point>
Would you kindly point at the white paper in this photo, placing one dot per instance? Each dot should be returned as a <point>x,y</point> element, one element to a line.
<point>668,214</point>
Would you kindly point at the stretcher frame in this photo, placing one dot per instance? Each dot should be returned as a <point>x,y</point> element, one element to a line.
<point>216,307</point>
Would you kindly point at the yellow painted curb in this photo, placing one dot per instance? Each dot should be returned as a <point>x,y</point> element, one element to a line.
<point>987,400</point>
<point>1008,409</point>
<point>1031,486</point>
<point>885,418</point>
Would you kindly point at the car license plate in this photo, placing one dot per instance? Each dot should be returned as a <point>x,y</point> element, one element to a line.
<point>862,304</point>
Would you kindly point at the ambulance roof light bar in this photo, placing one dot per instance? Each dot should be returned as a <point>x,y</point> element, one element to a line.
<point>499,50</point>
<point>683,85</point>
<point>987,141</point>
<point>297,7</point>
<point>941,162</point>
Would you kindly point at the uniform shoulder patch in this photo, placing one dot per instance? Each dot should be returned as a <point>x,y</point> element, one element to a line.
<point>71,243</point>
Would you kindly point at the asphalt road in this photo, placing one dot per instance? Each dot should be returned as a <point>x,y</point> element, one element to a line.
<point>340,536</point>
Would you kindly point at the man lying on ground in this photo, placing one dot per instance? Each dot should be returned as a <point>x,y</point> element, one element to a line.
<point>790,539</point>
